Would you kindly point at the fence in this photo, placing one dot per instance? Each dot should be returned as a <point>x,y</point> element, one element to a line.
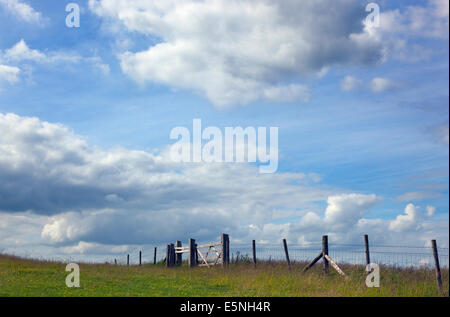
<point>330,253</point>
<point>392,255</point>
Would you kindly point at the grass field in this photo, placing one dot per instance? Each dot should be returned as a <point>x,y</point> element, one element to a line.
<point>19,277</point>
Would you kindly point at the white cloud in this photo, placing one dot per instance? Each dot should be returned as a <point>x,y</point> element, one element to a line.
<point>429,21</point>
<point>411,196</point>
<point>350,83</point>
<point>376,85</point>
<point>288,93</point>
<point>9,74</point>
<point>431,210</point>
<point>20,52</point>
<point>236,52</point>
<point>379,85</point>
<point>99,196</point>
<point>399,28</point>
<point>73,198</point>
<point>345,210</point>
<point>23,11</point>
<point>407,221</point>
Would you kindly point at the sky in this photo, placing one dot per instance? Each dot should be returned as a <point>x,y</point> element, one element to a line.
<point>86,112</point>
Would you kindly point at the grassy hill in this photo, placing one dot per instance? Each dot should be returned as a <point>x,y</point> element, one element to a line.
<point>19,277</point>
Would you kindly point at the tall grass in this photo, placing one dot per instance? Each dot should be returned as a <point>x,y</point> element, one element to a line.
<point>20,277</point>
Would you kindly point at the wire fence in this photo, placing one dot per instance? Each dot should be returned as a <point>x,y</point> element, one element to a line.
<point>392,255</point>
<point>400,256</point>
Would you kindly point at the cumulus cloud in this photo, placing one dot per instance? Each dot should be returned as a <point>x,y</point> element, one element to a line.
<point>9,74</point>
<point>75,198</point>
<point>103,196</point>
<point>20,54</point>
<point>235,52</point>
<point>406,221</point>
<point>347,219</point>
<point>345,210</point>
<point>399,29</point>
<point>428,21</point>
<point>23,11</point>
<point>411,218</point>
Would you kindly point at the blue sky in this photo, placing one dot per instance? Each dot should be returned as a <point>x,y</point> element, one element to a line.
<point>374,121</point>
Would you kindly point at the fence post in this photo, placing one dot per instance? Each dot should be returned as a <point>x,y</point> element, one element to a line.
<point>436,264</point>
<point>172,254</point>
<point>140,258</point>
<point>254,252</point>
<point>192,251</point>
<point>287,253</point>
<point>366,244</point>
<point>227,244</point>
<point>325,252</point>
<point>168,255</point>
<point>179,256</point>
<point>196,254</point>
<point>128,260</point>
<point>154,256</point>
<point>225,240</point>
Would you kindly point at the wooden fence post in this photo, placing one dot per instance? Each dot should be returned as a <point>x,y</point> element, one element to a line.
<point>168,255</point>
<point>140,258</point>
<point>287,254</point>
<point>154,256</point>
<point>196,254</point>
<point>192,252</point>
<point>179,256</point>
<point>436,265</point>
<point>227,244</point>
<point>128,260</point>
<point>225,240</point>
<point>254,252</point>
<point>172,254</point>
<point>325,252</point>
<point>366,244</point>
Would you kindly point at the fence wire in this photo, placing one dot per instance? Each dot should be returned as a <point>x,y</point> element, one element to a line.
<point>392,255</point>
<point>400,256</point>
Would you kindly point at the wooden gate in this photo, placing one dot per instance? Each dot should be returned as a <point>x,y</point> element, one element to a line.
<point>205,255</point>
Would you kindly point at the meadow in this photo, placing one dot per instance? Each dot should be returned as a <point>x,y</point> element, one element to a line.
<point>22,277</point>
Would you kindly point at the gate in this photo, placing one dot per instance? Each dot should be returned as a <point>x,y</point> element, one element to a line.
<point>206,255</point>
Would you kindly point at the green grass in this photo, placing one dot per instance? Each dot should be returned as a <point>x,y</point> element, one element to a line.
<point>19,277</point>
